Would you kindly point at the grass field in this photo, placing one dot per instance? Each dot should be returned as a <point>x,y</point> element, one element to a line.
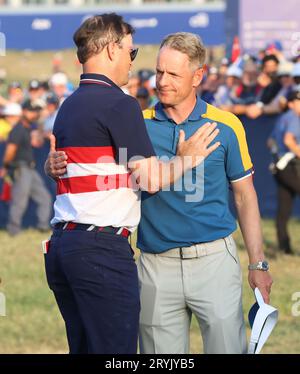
<point>33,323</point>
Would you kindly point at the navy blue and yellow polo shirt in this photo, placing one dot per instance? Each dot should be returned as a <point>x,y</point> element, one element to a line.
<point>173,218</point>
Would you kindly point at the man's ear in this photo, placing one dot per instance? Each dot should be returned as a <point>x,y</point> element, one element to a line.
<point>111,48</point>
<point>198,76</point>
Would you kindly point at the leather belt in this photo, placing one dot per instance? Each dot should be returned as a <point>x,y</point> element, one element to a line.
<point>86,227</point>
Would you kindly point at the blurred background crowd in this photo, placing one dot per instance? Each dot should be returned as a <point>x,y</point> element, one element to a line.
<point>244,85</point>
<point>252,86</point>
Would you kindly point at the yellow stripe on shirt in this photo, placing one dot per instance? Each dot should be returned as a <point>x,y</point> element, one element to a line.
<point>149,113</point>
<point>229,119</point>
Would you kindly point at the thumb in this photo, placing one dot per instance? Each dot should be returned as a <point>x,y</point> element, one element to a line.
<point>52,143</point>
<point>181,137</point>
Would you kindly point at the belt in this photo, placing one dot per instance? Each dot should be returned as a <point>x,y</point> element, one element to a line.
<point>86,227</point>
<point>197,250</point>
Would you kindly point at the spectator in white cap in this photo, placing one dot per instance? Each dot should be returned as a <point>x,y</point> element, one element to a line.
<point>35,91</point>
<point>12,113</point>
<point>19,163</point>
<point>59,85</point>
<point>15,92</point>
<point>223,96</point>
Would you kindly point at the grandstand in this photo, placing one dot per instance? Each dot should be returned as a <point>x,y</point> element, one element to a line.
<point>89,3</point>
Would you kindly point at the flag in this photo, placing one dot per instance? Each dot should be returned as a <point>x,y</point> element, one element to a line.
<point>236,50</point>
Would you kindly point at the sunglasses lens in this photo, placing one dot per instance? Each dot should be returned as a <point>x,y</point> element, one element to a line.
<point>133,53</point>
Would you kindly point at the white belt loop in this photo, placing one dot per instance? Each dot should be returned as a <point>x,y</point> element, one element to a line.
<point>119,231</point>
<point>91,228</point>
<point>65,225</point>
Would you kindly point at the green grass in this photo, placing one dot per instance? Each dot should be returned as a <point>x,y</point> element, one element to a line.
<point>33,323</point>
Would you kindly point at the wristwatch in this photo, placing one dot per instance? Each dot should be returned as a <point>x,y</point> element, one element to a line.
<point>260,265</point>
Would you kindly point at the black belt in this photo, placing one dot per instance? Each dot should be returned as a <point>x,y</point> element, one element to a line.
<point>85,227</point>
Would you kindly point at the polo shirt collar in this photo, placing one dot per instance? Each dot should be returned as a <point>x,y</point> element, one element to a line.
<point>199,109</point>
<point>100,79</point>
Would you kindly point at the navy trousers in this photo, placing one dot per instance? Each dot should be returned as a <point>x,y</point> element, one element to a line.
<point>94,279</point>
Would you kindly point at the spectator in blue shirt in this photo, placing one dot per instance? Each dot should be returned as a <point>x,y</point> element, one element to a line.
<point>286,139</point>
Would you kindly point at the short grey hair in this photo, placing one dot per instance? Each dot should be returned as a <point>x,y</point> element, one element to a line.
<point>187,43</point>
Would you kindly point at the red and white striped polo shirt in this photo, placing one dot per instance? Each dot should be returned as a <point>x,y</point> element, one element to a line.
<point>92,125</point>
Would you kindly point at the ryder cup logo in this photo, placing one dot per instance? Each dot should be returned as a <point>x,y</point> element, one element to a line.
<point>199,20</point>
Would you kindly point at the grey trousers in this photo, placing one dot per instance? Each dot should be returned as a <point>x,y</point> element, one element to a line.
<point>28,184</point>
<point>207,283</point>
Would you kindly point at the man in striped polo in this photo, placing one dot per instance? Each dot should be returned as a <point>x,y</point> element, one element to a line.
<point>89,263</point>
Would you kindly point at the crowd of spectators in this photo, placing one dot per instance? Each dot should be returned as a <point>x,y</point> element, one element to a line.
<point>250,85</point>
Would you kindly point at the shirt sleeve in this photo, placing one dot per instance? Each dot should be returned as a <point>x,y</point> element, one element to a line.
<point>238,161</point>
<point>15,136</point>
<point>128,130</point>
<point>292,125</point>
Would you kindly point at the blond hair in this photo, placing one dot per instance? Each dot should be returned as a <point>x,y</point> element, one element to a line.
<point>187,43</point>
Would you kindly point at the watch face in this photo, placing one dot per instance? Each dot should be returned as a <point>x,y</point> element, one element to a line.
<point>265,265</point>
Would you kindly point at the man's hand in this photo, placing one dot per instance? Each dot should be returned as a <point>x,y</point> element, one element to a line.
<point>56,163</point>
<point>196,148</point>
<point>263,281</point>
<point>253,111</point>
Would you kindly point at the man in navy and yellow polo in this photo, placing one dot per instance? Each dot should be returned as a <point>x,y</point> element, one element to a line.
<point>189,263</point>
<point>182,223</point>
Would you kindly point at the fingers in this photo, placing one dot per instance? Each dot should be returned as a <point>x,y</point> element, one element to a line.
<point>265,295</point>
<point>57,159</point>
<point>263,281</point>
<point>205,130</point>
<point>211,137</point>
<point>212,148</point>
<point>59,172</point>
<point>59,156</point>
<point>52,143</point>
<point>196,146</point>
<point>181,137</point>
<point>58,163</point>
